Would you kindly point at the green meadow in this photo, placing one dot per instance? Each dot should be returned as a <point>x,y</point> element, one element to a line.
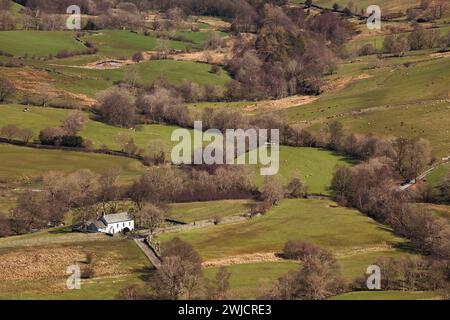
<point>38,43</point>
<point>315,166</point>
<point>196,211</point>
<point>387,295</point>
<point>23,163</point>
<point>317,221</point>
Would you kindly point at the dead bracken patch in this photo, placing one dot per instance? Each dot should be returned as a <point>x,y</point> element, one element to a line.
<point>242,259</point>
<point>51,263</point>
<point>278,104</point>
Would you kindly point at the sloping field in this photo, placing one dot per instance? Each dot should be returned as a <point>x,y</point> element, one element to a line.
<point>22,163</point>
<point>340,229</point>
<point>38,43</point>
<point>196,211</point>
<point>315,166</point>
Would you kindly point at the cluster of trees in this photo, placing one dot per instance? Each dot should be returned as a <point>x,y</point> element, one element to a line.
<point>7,88</point>
<point>409,156</point>
<point>166,184</point>
<point>65,134</point>
<point>411,274</point>
<point>180,277</point>
<point>318,277</point>
<point>372,188</point>
<point>429,10</point>
<point>87,194</point>
<point>416,40</point>
<point>290,54</point>
<point>11,131</point>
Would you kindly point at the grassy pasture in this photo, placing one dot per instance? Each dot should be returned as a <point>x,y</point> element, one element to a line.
<point>90,81</point>
<point>386,295</point>
<point>38,43</point>
<point>177,71</point>
<point>38,118</point>
<point>249,280</point>
<point>426,120</point>
<point>195,211</point>
<point>338,229</point>
<point>315,167</point>
<point>22,163</point>
<point>402,85</point>
<point>121,43</point>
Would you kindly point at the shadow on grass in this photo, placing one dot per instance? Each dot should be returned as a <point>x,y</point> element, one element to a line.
<point>146,273</point>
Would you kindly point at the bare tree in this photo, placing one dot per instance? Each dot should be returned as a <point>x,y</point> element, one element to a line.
<point>6,88</point>
<point>9,131</point>
<point>115,106</point>
<point>74,122</point>
<point>272,190</point>
<point>151,217</point>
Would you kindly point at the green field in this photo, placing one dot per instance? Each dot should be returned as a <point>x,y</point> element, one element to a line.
<point>196,211</point>
<point>22,163</point>
<point>38,118</point>
<point>436,177</point>
<point>38,43</point>
<point>90,81</point>
<point>121,43</point>
<point>248,281</point>
<point>315,166</point>
<point>339,229</point>
<point>386,295</point>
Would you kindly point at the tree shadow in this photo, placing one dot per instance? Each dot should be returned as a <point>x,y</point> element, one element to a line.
<point>146,273</point>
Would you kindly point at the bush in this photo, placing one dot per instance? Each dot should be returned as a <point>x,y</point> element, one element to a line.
<point>298,250</point>
<point>72,141</point>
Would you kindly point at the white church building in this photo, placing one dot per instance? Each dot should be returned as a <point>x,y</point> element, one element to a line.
<point>112,223</point>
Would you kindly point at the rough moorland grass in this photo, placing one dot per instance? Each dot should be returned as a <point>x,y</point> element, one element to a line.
<point>38,43</point>
<point>126,256</point>
<point>195,211</point>
<point>315,167</point>
<point>386,295</point>
<point>22,163</point>
<point>339,229</point>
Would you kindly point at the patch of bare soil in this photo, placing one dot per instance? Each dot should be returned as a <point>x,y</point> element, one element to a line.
<point>440,54</point>
<point>243,259</point>
<point>107,64</point>
<point>362,250</point>
<point>216,23</point>
<point>219,56</point>
<point>51,263</point>
<point>341,82</point>
<point>279,104</point>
